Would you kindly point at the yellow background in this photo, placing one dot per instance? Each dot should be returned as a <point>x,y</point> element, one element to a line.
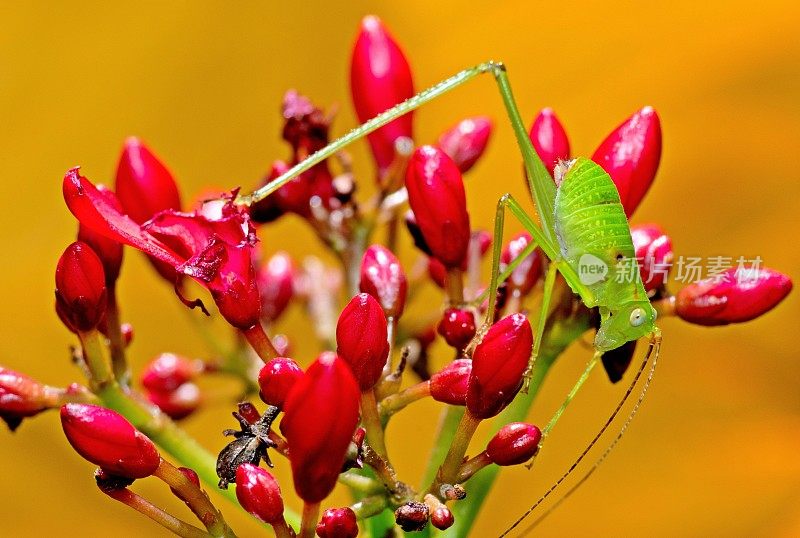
<point>714,450</point>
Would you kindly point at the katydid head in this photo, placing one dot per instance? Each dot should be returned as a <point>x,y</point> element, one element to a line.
<point>624,323</point>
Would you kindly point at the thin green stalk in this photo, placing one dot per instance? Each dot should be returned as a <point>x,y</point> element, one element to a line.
<point>116,340</point>
<point>448,472</point>
<point>145,507</point>
<point>372,422</point>
<point>195,498</point>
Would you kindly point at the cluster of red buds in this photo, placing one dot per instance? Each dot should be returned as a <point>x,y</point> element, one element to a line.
<point>327,420</point>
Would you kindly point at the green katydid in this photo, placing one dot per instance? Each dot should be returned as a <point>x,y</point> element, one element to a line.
<point>580,218</point>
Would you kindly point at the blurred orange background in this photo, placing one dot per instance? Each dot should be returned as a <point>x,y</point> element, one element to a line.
<point>713,451</point>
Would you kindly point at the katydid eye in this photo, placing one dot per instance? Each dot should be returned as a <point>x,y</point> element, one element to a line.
<point>637,317</point>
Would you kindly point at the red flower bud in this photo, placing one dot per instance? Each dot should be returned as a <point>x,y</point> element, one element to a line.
<point>382,277</point>
<point>630,155</point>
<point>653,254</point>
<point>442,518</point>
<point>515,443</point>
<point>338,523</point>
<point>107,439</point>
<point>549,139</point>
<point>177,403</point>
<point>168,371</point>
<point>498,363</point>
<point>449,385</point>
<point>319,432</point>
<point>457,327</point>
<point>108,250</point>
<point>738,295</point>
<point>527,273</point>
<point>276,379</point>
<point>20,397</point>
<point>466,141</point>
<point>380,78</point>
<point>80,287</point>
<point>436,195</point>
<point>276,282</point>
<point>144,186</point>
<point>362,339</point>
<point>259,493</point>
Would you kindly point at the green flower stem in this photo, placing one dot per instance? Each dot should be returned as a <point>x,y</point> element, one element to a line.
<point>97,359</point>
<point>261,343</point>
<point>282,529</point>
<point>448,472</point>
<point>117,342</point>
<point>308,526</point>
<point>372,422</point>
<point>195,498</point>
<point>362,484</point>
<point>455,287</point>
<point>395,402</point>
<point>369,506</point>
<point>472,466</point>
<point>143,506</point>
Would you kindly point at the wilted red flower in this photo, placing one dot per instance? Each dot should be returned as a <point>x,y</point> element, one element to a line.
<point>383,277</point>
<point>362,339</point>
<point>524,277</point>
<point>168,371</point>
<point>630,154</point>
<point>80,287</point>
<point>216,253</point>
<point>549,139</point>
<point>449,385</point>
<point>515,443</point>
<point>412,516</point>
<point>457,326</point>
<point>338,523</point>
<point>466,141</point>
<point>276,282</point>
<point>276,379</point>
<point>143,185</point>
<point>498,363</point>
<point>436,195</point>
<point>737,295</point>
<point>259,493</point>
<point>318,432</point>
<point>380,78</point>
<point>653,253</point>
<point>107,439</point>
